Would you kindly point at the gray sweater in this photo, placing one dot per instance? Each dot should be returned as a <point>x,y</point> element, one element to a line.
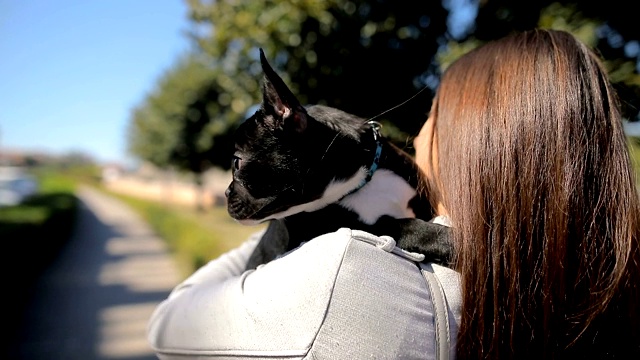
<point>343,295</point>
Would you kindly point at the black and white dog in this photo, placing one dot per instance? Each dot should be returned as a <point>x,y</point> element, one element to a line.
<point>312,170</point>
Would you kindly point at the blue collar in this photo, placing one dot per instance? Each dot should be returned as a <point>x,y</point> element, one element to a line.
<point>375,126</point>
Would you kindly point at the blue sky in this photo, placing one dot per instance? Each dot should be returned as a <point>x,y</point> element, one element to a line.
<point>71,70</point>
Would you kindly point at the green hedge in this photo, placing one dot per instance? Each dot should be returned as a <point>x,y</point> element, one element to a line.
<point>33,234</point>
<point>36,230</point>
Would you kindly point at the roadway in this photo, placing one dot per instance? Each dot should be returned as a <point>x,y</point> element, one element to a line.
<point>95,300</point>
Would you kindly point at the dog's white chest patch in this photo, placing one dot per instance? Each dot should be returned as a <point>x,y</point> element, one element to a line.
<point>385,194</point>
<point>332,194</point>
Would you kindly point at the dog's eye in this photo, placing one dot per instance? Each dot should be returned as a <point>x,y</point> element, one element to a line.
<point>237,162</point>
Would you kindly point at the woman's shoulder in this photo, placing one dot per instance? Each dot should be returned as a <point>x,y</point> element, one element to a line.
<point>341,258</point>
<point>340,295</point>
<point>344,238</point>
<point>382,291</point>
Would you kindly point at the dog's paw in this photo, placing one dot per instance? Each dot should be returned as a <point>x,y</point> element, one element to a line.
<point>416,235</point>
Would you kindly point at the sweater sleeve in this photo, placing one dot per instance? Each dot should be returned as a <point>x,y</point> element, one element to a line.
<point>228,265</point>
<point>343,295</point>
<point>273,311</point>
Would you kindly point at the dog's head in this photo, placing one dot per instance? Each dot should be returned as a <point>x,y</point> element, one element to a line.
<point>280,161</point>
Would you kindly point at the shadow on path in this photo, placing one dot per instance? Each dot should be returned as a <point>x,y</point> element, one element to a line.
<point>96,298</point>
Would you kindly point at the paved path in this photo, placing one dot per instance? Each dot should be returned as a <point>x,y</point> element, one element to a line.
<point>95,301</point>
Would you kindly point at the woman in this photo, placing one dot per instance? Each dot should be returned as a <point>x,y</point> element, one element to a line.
<point>533,170</point>
<point>526,156</point>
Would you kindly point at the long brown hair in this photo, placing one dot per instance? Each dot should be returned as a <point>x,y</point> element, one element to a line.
<point>535,174</point>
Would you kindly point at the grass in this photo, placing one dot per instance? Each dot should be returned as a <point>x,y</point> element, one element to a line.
<point>193,237</point>
<point>54,182</point>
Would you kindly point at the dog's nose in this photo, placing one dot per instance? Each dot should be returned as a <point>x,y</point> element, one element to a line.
<point>228,191</point>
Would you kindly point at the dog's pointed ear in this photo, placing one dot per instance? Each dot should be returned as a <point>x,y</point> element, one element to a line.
<point>279,101</point>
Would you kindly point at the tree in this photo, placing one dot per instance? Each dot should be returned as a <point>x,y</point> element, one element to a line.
<point>361,56</point>
<point>367,56</point>
<point>157,122</point>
